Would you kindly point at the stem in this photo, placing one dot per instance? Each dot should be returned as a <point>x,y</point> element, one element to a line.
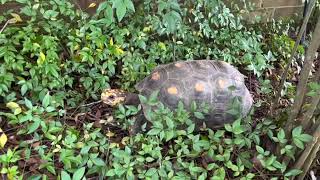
<point>285,73</point>
<point>5,25</point>
<point>304,75</point>
<point>314,103</point>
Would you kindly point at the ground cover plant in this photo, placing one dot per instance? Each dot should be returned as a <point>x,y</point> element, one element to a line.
<point>56,59</point>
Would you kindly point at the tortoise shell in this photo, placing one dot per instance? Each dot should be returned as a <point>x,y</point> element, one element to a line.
<point>201,81</point>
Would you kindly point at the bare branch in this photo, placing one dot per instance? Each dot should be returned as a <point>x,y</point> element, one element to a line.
<point>314,103</point>
<point>304,75</point>
<point>285,73</point>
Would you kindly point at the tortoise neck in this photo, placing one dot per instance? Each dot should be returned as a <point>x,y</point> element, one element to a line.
<point>132,99</point>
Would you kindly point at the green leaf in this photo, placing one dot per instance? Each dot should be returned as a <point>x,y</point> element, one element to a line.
<point>228,127</point>
<point>305,138</point>
<point>154,131</point>
<point>28,103</point>
<point>250,176</point>
<point>102,6</point>
<point>121,9</point>
<point>79,174</point>
<point>281,135</point>
<point>129,5</point>
<point>46,100</point>
<point>98,162</point>
<point>293,172</point>
<point>199,115</point>
<point>169,135</point>
<point>24,89</point>
<point>65,175</point>
<point>298,143</point>
<point>169,122</point>
<point>259,149</point>
<point>297,131</point>
<point>191,128</point>
<point>34,126</point>
<point>110,173</point>
<point>85,149</point>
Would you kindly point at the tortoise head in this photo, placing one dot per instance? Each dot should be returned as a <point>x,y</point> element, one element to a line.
<point>113,97</point>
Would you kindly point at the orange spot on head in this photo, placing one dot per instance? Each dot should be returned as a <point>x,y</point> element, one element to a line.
<point>155,76</point>
<point>199,87</point>
<point>221,83</point>
<point>178,65</point>
<point>172,90</point>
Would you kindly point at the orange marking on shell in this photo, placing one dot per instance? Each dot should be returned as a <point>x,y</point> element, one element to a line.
<point>199,87</point>
<point>172,90</point>
<point>155,76</point>
<point>178,65</point>
<point>221,83</point>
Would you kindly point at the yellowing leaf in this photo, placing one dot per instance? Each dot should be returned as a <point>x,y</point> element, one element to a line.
<point>110,134</point>
<point>162,46</point>
<point>42,58</point>
<point>147,29</point>
<point>14,107</point>
<point>118,51</point>
<point>3,139</point>
<point>36,45</point>
<point>16,17</point>
<point>125,140</point>
<point>111,42</point>
<point>92,5</point>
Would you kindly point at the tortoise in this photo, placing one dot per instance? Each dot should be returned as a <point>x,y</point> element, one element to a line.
<point>199,81</point>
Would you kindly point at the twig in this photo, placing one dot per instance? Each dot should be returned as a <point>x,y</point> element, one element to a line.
<point>285,73</point>
<point>306,117</point>
<point>304,75</point>
<point>4,26</point>
<point>90,104</point>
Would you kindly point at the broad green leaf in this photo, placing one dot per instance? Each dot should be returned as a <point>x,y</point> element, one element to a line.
<point>154,132</point>
<point>298,143</point>
<point>259,149</point>
<point>65,175</point>
<point>24,89</point>
<point>297,131</point>
<point>121,9</point>
<point>305,138</point>
<point>191,128</point>
<point>129,5</point>
<point>46,100</point>
<point>98,162</point>
<point>293,172</point>
<point>228,127</point>
<point>199,115</point>
<point>78,174</point>
<point>34,126</point>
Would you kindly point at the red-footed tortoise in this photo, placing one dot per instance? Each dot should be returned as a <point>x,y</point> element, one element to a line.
<point>199,81</point>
